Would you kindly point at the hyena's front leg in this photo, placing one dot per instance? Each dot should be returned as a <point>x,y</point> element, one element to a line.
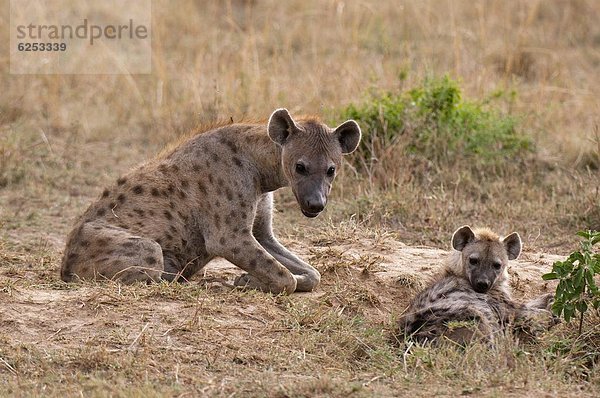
<point>306,275</point>
<point>264,272</point>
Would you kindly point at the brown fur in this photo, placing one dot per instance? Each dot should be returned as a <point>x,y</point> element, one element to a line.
<point>210,196</point>
<point>456,305</point>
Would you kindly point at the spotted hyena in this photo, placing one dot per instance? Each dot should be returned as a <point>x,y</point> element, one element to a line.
<point>472,296</point>
<point>212,196</point>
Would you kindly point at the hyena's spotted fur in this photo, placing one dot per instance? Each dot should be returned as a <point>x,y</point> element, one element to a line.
<point>212,196</point>
<point>471,297</point>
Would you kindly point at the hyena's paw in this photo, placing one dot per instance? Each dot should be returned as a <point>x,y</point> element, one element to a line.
<point>247,281</point>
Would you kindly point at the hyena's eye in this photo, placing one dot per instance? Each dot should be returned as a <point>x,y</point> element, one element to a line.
<point>331,171</point>
<point>473,261</point>
<point>301,169</point>
<point>497,265</point>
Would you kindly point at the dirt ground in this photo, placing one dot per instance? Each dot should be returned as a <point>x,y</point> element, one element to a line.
<point>194,338</point>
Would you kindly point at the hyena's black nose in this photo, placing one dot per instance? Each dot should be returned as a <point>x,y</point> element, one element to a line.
<point>482,287</point>
<point>315,206</point>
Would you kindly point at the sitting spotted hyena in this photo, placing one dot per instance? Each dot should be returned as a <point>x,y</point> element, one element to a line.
<point>212,196</point>
<point>471,298</point>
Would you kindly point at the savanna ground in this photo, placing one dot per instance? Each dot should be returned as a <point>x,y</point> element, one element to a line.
<point>64,137</point>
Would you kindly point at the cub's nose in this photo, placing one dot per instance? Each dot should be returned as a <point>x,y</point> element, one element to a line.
<point>482,286</point>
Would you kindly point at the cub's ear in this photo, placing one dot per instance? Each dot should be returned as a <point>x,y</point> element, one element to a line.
<point>348,134</point>
<point>462,237</point>
<point>281,125</point>
<point>513,245</point>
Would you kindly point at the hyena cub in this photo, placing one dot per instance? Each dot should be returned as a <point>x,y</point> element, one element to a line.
<point>471,298</point>
<point>212,196</point>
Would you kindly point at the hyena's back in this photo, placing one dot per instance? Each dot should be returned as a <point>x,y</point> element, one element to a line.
<point>447,308</point>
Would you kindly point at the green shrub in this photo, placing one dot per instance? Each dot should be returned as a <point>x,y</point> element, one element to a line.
<point>434,122</point>
<point>577,290</point>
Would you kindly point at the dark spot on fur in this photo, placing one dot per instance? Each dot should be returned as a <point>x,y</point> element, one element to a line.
<point>217,204</point>
<point>237,161</point>
<point>201,187</point>
<point>139,224</point>
<point>128,244</point>
<point>196,167</point>
<point>139,212</point>
<point>222,241</point>
<point>185,184</point>
<point>169,237</point>
<point>151,212</point>
<point>105,193</point>
<point>124,226</point>
<point>154,191</point>
<point>150,260</point>
<point>253,263</point>
<point>243,205</point>
<point>235,230</point>
<point>231,145</point>
<point>220,181</point>
<point>211,180</point>
<point>84,243</point>
<point>173,229</point>
<point>121,198</point>
<point>112,205</point>
<point>245,231</point>
<point>116,263</point>
<point>235,250</point>
<point>97,227</point>
<point>121,181</point>
<point>182,194</point>
<point>163,168</point>
<point>244,216</point>
<point>171,188</point>
<point>215,157</point>
<point>138,190</point>
<point>172,204</point>
<point>217,220</point>
<point>229,194</point>
<point>100,213</point>
<point>175,168</point>
<point>102,242</point>
<point>168,215</point>
<point>246,243</point>
<point>165,193</point>
<point>182,216</point>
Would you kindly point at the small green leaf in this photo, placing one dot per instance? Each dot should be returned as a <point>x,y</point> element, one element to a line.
<point>549,276</point>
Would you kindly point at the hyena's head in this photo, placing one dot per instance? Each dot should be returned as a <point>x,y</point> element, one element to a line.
<point>485,255</point>
<point>311,154</point>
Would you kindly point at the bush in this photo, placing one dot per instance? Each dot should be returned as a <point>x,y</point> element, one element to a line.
<point>434,123</point>
<point>577,290</point>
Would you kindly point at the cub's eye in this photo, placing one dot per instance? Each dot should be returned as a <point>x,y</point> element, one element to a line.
<point>301,169</point>
<point>331,171</point>
<point>497,265</point>
<point>473,261</point>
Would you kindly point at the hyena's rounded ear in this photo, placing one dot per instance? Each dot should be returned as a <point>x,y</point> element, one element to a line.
<point>281,125</point>
<point>462,237</point>
<point>348,134</point>
<point>513,245</point>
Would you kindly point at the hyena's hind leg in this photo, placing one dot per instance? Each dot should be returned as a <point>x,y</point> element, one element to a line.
<point>535,317</point>
<point>100,251</point>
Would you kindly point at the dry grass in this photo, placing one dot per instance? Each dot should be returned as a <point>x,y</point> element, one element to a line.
<point>64,137</point>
